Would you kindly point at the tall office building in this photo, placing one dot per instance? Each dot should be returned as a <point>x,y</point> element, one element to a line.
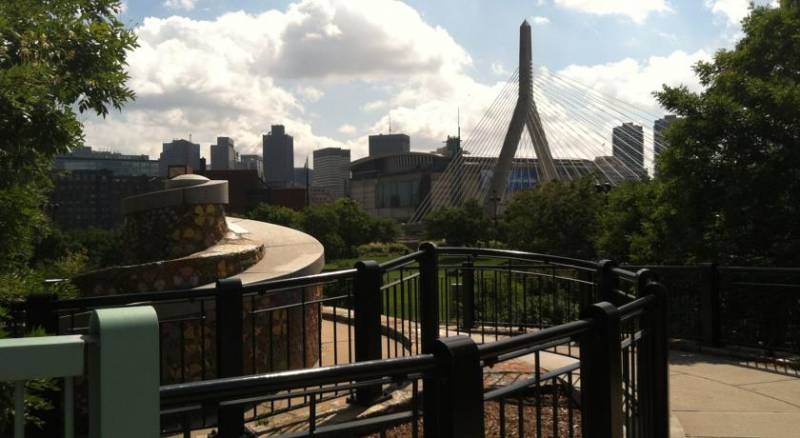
<point>223,154</point>
<point>301,174</point>
<point>628,146</point>
<point>332,171</point>
<point>83,198</point>
<point>278,157</point>
<point>658,133</point>
<point>179,153</point>
<point>84,158</point>
<point>252,162</point>
<point>390,144</point>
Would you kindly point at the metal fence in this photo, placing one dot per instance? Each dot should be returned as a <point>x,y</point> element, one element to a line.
<point>591,339</point>
<point>754,310</point>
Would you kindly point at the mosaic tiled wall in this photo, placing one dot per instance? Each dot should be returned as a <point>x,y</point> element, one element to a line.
<point>172,232</point>
<point>273,340</point>
<point>167,275</point>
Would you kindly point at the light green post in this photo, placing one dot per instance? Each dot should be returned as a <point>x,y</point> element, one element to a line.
<point>124,373</point>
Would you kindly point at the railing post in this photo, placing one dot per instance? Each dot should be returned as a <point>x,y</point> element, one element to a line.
<point>653,360</point>
<point>601,373</point>
<point>124,373</point>
<point>367,324</point>
<point>230,351</point>
<point>429,314</point>
<point>606,281</point>
<point>429,296</point>
<point>40,311</point>
<point>468,295</point>
<point>711,308</point>
<point>454,406</point>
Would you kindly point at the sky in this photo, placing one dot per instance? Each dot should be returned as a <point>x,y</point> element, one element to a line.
<point>335,71</point>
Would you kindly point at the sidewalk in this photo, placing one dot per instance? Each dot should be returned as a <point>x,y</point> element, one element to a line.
<point>716,397</point>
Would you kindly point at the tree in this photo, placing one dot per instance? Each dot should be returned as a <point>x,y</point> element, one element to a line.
<point>55,57</point>
<point>557,217</point>
<point>625,222</point>
<point>276,214</point>
<point>731,185</point>
<point>459,226</point>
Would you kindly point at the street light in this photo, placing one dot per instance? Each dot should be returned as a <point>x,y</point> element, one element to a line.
<point>495,202</point>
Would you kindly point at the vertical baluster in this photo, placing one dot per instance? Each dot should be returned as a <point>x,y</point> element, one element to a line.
<point>502,406</point>
<point>19,409</point>
<point>555,396</point>
<point>69,407</point>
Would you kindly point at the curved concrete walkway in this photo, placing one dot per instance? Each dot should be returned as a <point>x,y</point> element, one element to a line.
<point>713,396</point>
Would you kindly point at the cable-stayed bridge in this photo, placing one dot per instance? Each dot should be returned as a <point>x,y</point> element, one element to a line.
<point>543,126</point>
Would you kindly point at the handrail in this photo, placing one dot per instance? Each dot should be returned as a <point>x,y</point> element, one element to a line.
<point>219,390</point>
<point>504,346</point>
<point>401,261</point>
<point>519,255</point>
<point>293,282</point>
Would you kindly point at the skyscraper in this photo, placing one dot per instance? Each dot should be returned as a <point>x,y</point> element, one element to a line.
<point>278,157</point>
<point>179,153</point>
<point>332,171</point>
<point>658,133</point>
<point>251,161</point>
<point>628,146</point>
<point>223,154</point>
<point>390,144</point>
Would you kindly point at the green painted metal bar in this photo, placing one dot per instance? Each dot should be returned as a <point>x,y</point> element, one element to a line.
<point>19,409</point>
<point>41,357</point>
<point>69,407</point>
<point>124,373</point>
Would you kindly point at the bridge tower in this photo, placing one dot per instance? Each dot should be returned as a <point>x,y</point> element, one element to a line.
<point>525,116</point>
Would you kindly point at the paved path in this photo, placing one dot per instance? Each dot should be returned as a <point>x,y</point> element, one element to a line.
<point>716,397</point>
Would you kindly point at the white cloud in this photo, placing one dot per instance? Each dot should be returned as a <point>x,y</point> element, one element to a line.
<point>374,105</point>
<point>186,5</point>
<point>540,20</point>
<point>347,129</point>
<point>733,10</point>
<point>499,69</point>
<point>636,10</point>
<point>226,76</point>
<point>310,94</point>
<point>634,81</point>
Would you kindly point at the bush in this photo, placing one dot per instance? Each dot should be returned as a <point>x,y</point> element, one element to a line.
<point>379,249</point>
<point>275,214</point>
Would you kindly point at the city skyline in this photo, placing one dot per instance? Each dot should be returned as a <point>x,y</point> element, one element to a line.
<point>208,70</point>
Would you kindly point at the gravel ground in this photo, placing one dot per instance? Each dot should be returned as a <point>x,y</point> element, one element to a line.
<point>511,416</point>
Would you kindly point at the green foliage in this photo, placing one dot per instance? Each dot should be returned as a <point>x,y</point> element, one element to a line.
<point>21,223</point>
<point>730,182</point>
<point>275,214</point>
<point>341,226</point>
<point>379,249</point>
<point>625,223</point>
<point>55,57</point>
<point>459,226</point>
<point>558,217</point>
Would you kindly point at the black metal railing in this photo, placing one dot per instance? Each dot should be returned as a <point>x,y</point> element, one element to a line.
<point>753,309</point>
<point>590,337</point>
<point>462,315</point>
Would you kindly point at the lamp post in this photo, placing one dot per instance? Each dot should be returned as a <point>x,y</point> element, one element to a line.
<point>495,203</point>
